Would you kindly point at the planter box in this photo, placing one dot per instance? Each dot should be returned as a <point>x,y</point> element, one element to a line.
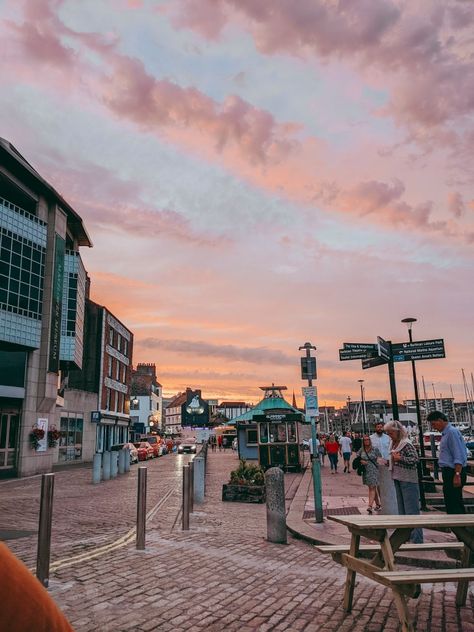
<point>243,493</point>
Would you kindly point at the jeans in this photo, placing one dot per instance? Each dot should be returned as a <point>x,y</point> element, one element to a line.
<point>453,495</point>
<point>408,501</point>
<point>333,461</point>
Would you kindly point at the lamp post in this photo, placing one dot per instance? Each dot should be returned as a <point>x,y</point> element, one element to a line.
<point>364,412</point>
<point>349,410</point>
<point>421,470</point>
<point>315,465</point>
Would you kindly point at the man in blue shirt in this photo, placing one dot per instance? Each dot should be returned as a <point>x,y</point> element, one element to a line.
<point>452,459</point>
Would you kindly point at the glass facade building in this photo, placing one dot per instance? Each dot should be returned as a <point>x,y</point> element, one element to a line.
<point>73,306</point>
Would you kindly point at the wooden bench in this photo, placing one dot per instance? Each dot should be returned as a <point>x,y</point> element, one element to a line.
<point>409,546</point>
<point>407,582</point>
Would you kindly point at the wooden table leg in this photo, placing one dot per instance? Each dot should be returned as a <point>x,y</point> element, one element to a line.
<point>389,559</point>
<point>461,592</point>
<point>351,575</point>
<point>403,613</point>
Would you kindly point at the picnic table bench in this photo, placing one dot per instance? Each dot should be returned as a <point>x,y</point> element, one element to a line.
<point>381,567</point>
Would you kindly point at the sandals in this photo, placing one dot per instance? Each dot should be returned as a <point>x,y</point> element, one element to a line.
<point>370,510</point>
<point>378,507</point>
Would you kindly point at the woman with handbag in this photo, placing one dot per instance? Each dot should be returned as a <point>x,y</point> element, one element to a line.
<point>403,464</point>
<point>370,474</point>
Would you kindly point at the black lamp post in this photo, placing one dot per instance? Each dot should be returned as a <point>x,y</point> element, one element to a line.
<point>362,398</point>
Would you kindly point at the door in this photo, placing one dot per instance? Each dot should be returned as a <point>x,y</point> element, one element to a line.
<point>9,425</point>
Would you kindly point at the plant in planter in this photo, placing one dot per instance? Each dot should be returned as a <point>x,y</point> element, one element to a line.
<point>36,435</point>
<point>247,484</point>
<point>53,437</point>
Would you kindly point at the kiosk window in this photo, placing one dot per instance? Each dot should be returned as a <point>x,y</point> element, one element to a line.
<point>251,437</point>
<point>291,426</point>
<point>278,433</point>
<point>263,428</point>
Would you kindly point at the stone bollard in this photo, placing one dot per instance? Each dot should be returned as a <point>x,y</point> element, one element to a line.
<point>127,459</point>
<point>106,466</point>
<point>121,461</point>
<point>275,494</point>
<point>198,479</point>
<point>97,468</point>
<point>113,464</point>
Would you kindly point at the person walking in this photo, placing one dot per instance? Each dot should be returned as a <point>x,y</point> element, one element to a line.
<point>322,450</point>
<point>370,477</point>
<point>403,464</point>
<point>219,442</point>
<point>332,449</point>
<point>386,487</point>
<point>346,444</point>
<point>356,442</point>
<point>452,459</point>
<point>313,449</point>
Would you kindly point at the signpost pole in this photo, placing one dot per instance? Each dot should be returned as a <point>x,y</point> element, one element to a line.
<point>393,386</point>
<point>315,465</point>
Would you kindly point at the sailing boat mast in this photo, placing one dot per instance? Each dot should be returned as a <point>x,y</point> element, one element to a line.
<point>466,393</point>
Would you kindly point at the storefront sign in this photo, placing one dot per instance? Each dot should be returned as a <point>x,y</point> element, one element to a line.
<point>96,416</point>
<point>56,304</point>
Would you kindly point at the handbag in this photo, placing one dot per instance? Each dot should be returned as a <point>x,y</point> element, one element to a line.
<point>357,465</point>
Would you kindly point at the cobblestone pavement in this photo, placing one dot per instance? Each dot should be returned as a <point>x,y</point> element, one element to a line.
<point>221,575</point>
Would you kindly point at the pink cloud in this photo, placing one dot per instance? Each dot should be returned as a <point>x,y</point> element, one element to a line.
<point>455,204</point>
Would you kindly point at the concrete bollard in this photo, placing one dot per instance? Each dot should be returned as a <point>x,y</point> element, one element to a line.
<point>113,464</point>
<point>121,461</point>
<point>141,508</point>
<point>275,494</point>
<point>97,468</point>
<point>106,466</point>
<point>191,486</point>
<point>185,500</point>
<point>127,459</point>
<point>199,476</point>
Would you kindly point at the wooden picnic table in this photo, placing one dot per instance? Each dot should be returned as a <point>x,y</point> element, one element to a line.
<point>391,533</point>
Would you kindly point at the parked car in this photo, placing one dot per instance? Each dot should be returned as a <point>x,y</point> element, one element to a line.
<point>145,451</point>
<point>155,442</point>
<point>131,447</point>
<point>188,446</point>
<point>470,448</point>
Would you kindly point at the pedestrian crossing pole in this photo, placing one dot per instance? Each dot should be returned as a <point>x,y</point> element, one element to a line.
<point>315,464</point>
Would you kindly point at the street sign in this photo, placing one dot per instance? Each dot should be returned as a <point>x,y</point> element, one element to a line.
<point>308,369</point>
<point>308,390</point>
<point>311,404</point>
<point>357,346</point>
<point>357,354</point>
<point>418,350</point>
<point>368,363</point>
<point>383,348</point>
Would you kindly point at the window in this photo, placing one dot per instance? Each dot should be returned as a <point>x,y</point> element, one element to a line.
<point>119,342</point>
<point>107,398</point>
<point>109,366</point>
<point>125,347</point>
<point>277,433</point>
<point>111,337</point>
<point>117,370</point>
<point>70,442</point>
<point>251,436</point>
<point>291,427</point>
<point>263,428</point>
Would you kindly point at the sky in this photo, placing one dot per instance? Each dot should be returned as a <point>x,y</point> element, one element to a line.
<point>255,175</point>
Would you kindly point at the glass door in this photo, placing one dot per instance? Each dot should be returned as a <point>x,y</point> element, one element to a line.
<point>9,423</point>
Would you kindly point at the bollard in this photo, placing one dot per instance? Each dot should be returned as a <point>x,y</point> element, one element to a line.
<point>97,468</point>
<point>113,464</point>
<point>185,504</point>
<point>275,494</point>
<point>191,486</point>
<point>106,466</point>
<point>433,454</point>
<point>127,459</point>
<point>44,529</point>
<point>121,461</point>
<point>199,476</point>
<point>141,508</point>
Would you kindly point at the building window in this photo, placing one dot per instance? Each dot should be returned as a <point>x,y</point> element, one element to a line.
<point>107,398</point>
<point>117,370</point>
<point>109,366</point>
<point>111,337</point>
<point>119,342</point>
<point>70,441</point>
<point>125,347</point>
<point>251,438</point>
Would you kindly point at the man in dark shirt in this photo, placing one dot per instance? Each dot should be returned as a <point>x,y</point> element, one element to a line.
<point>356,442</point>
<point>452,459</point>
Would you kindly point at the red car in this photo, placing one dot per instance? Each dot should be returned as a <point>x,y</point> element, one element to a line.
<point>155,443</point>
<point>145,451</point>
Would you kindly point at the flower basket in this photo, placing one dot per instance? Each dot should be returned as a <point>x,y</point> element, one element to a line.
<point>36,435</point>
<point>246,485</point>
<point>53,437</point>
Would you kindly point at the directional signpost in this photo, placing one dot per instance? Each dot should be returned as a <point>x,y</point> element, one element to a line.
<point>419,350</point>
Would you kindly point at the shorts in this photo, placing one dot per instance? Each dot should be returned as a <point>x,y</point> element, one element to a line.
<point>346,456</point>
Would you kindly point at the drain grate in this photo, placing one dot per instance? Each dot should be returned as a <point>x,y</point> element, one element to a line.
<point>333,511</point>
<point>10,534</point>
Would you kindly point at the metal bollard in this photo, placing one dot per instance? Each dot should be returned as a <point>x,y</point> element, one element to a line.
<point>275,494</point>
<point>44,529</point>
<point>97,468</point>
<point>199,470</point>
<point>127,459</point>
<point>185,504</point>
<point>113,464</point>
<point>191,486</point>
<point>141,508</point>
<point>106,466</point>
<point>121,461</point>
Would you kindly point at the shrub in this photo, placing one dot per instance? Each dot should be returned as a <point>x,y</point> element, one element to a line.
<point>247,474</point>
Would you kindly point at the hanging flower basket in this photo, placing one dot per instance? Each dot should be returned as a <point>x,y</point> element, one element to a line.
<point>53,437</point>
<point>36,435</point>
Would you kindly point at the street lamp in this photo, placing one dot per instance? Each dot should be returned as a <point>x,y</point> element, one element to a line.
<point>421,470</point>
<point>349,410</point>
<point>364,412</point>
